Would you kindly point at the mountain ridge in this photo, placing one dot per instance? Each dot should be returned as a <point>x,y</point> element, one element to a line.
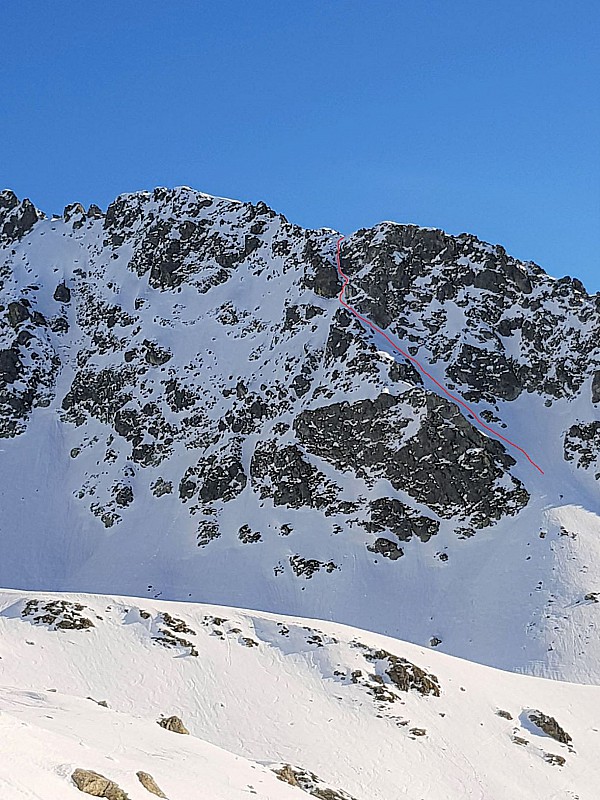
<point>187,412</point>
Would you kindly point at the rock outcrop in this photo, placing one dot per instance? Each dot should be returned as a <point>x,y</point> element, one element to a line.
<point>550,726</point>
<point>173,724</point>
<point>90,782</point>
<point>150,784</point>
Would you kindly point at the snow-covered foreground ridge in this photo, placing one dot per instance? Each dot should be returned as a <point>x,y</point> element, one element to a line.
<point>187,412</point>
<point>373,718</point>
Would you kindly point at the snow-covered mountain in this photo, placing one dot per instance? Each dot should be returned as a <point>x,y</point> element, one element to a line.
<point>338,712</point>
<point>187,412</point>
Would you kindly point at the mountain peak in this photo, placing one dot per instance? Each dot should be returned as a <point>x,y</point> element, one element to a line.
<point>220,427</point>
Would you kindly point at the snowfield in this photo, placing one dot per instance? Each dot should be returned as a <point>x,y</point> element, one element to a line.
<point>370,716</point>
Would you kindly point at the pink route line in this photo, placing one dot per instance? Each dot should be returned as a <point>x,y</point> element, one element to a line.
<point>396,346</point>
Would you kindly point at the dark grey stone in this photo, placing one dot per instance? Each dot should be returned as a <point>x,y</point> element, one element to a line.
<point>62,293</point>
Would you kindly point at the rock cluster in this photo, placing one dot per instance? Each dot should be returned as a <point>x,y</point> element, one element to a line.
<point>309,782</point>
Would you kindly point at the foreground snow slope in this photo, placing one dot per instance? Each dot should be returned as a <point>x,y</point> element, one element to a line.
<point>371,716</point>
<point>46,736</point>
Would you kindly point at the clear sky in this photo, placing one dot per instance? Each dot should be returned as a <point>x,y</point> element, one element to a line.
<point>479,116</point>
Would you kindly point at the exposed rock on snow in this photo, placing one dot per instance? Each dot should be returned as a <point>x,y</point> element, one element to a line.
<point>550,726</point>
<point>16,219</point>
<point>173,724</point>
<point>582,445</point>
<point>150,784</point>
<point>57,614</point>
<point>308,782</point>
<point>90,782</point>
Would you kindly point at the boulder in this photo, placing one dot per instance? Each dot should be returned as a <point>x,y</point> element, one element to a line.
<point>97,785</point>
<point>62,293</point>
<point>173,724</point>
<point>550,726</point>
<point>150,784</point>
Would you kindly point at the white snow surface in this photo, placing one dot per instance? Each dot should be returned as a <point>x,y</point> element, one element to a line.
<point>269,690</point>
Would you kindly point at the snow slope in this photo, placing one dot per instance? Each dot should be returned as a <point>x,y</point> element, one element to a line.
<point>46,736</point>
<point>265,691</point>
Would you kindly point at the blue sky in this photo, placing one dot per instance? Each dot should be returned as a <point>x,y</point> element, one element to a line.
<point>469,116</point>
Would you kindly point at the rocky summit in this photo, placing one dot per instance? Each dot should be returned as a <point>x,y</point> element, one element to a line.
<point>188,413</point>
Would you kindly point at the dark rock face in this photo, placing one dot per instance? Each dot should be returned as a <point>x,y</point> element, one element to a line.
<point>348,348</point>
<point>330,431</point>
<point>285,476</point>
<point>388,513</point>
<point>57,614</point>
<point>16,220</point>
<point>582,445</point>
<point>62,293</point>
<point>400,271</point>
<point>123,495</point>
<point>155,355</point>
<point>17,312</point>
<point>28,365</point>
<point>447,464</point>
<point>321,275</point>
<point>248,536</point>
<point>207,532</point>
<point>8,201</point>
<point>9,365</point>
<point>490,373</point>
<point>161,487</point>
<point>172,250</point>
<point>221,480</point>
<point>73,210</point>
<point>403,674</point>
<point>306,567</point>
<point>94,212</point>
<point>220,476</point>
<point>386,548</point>
<point>169,635</point>
<point>99,394</point>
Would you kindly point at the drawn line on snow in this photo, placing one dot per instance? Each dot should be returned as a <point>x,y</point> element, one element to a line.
<point>396,346</point>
